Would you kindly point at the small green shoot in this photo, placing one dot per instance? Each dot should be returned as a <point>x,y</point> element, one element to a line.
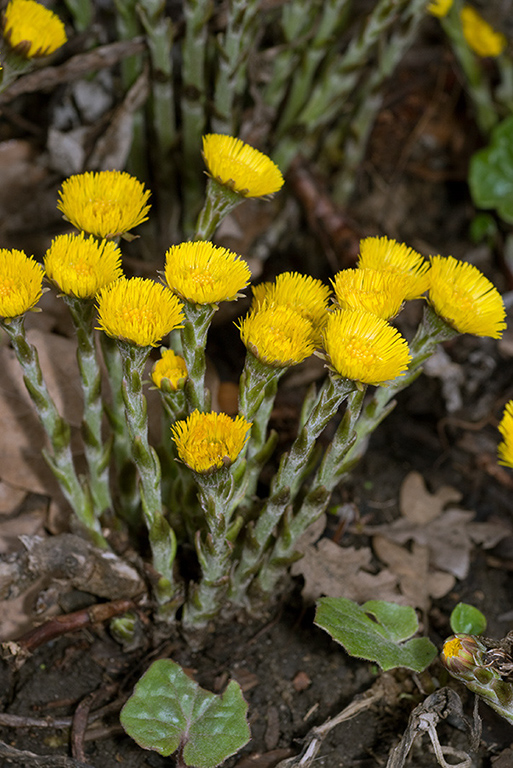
<point>491,172</point>
<point>168,712</point>
<point>467,620</point>
<point>376,631</point>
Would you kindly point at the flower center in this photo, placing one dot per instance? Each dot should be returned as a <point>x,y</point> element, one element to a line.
<point>357,349</point>
<point>7,286</point>
<point>452,647</point>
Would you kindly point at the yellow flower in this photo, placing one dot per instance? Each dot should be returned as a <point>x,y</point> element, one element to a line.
<point>203,273</point>
<point>106,204</point>
<point>170,367</point>
<point>32,29</point>
<point>462,296</point>
<point>381,293</point>
<point>278,335</point>
<point>439,8</point>
<point>480,36</point>
<point>238,166</point>
<point>207,442</point>
<point>303,293</point>
<point>21,279</point>
<point>363,347</point>
<point>138,310</point>
<point>505,449</point>
<point>80,265</point>
<point>452,647</point>
<point>388,255</point>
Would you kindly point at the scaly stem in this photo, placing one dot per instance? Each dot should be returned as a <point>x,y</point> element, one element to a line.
<point>97,454</point>
<point>57,430</point>
<point>285,485</point>
<point>194,339</point>
<point>161,536</point>
<point>219,202</point>
<point>128,498</point>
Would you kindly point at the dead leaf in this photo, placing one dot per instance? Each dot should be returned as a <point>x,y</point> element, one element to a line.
<point>417,582</point>
<point>329,569</point>
<point>418,505</point>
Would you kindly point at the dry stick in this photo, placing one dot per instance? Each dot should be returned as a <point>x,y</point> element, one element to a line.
<point>24,757</point>
<point>83,63</point>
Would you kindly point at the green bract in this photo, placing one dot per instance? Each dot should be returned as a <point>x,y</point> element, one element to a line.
<point>491,172</point>
<point>376,631</point>
<point>169,711</point>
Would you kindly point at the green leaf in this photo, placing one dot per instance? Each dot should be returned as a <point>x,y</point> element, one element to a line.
<point>168,711</point>
<point>375,631</point>
<point>491,172</point>
<point>467,620</point>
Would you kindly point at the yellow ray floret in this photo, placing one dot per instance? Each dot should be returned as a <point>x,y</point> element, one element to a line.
<point>505,449</point>
<point>170,367</point>
<point>465,298</point>
<point>439,8</point>
<point>371,290</point>
<point>388,255</point>
<point>203,273</point>
<point>106,204</point>
<point>80,266</point>
<point>304,293</point>
<point>363,347</point>
<point>21,279</point>
<point>32,29</point>
<point>238,166</point>
<point>207,442</point>
<point>138,310</point>
<point>278,335</point>
<point>480,36</point>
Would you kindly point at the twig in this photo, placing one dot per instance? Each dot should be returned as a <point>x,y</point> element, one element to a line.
<point>24,757</point>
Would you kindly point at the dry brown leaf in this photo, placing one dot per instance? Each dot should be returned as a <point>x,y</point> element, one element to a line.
<point>418,505</point>
<point>417,582</point>
<point>329,569</point>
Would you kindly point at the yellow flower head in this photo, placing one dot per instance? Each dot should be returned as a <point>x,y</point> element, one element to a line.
<point>21,279</point>
<point>171,368</point>
<point>203,273</point>
<point>462,296</point>
<point>80,265</point>
<point>138,310</point>
<point>32,29</point>
<point>505,449</point>
<point>106,204</point>
<point>439,8</point>
<point>207,442</point>
<point>381,293</point>
<point>238,166</point>
<point>363,347</point>
<point>388,255</point>
<point>303,293</point>
<point>278,335</point>
<point>480,36</point>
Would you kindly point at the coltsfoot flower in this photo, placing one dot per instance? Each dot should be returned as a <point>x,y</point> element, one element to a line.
<point>105,204</point>
<point>31,29</point>
<point>439,8</point>
<point>138,310</point>
<point>240,167</point>
<point>207,442</point>
<point>80,266</point>
<point>303,293</point>
<point>387,255</point>
<point>203,273</point>
<point>365,348</point>
<point>171,368</point>
<point>278,335</point>
<point>371,290</point>
<point>505,449</point>
<point>464,298</point>
<point>480,36</point>
<point>21,280</point>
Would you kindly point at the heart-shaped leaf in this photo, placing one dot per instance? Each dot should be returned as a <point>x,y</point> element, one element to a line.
<point>375,631</point>
<point>467,620</point>
<point>169,711</point>
<point>491,172</point>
